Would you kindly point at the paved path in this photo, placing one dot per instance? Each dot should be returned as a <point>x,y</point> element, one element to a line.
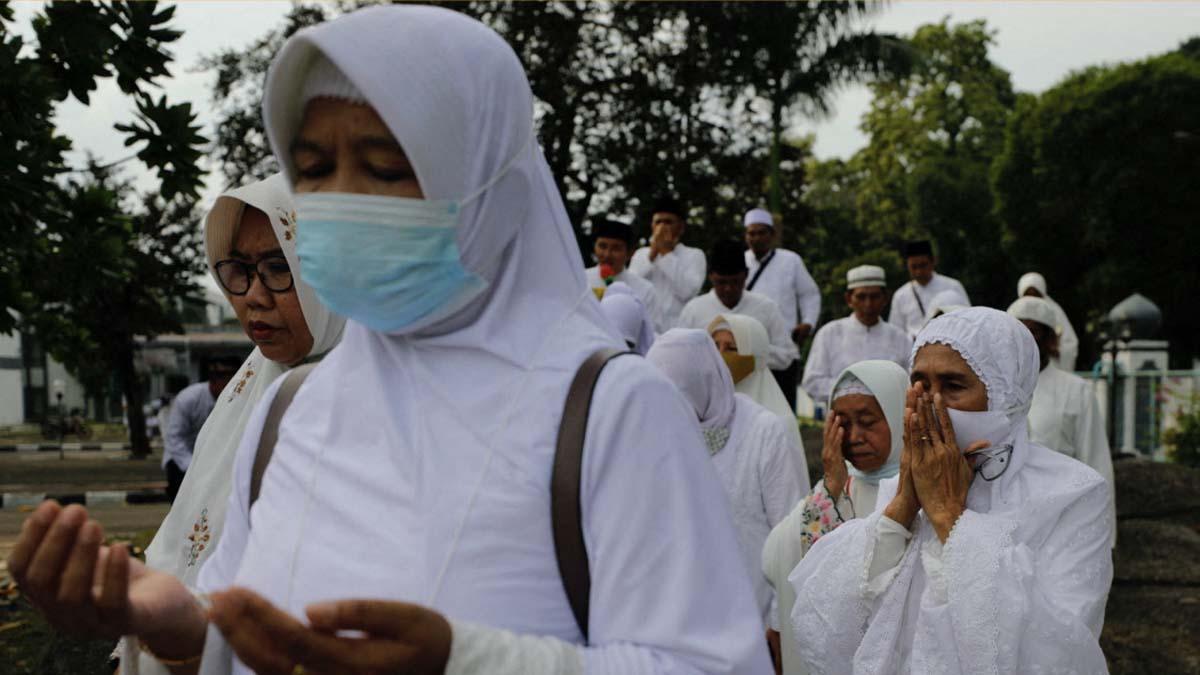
<point>115,519</point>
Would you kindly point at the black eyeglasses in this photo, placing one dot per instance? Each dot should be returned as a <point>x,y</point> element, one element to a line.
<point>236,276</point>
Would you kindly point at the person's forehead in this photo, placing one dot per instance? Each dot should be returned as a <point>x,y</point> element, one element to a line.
<point>867,290</point>
<point>610,241</point>
<point>255,234</point>
<point>919,259</point>
<point>665,215</point>
<point>856,404</point>
<point>941,360</point>
<point>758,228</point>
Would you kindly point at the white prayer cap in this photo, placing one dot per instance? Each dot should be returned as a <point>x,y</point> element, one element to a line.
<point>325,80</point>
<point>762,216</point>
<point>1035,309</point>
<point>866,275</point>
<point>849,385</point>
<point>1031,280</point>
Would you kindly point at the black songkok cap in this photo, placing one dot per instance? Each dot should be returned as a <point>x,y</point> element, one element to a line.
<point>669,205</point>
<point>727,257</point>
<point>915,248</point>
<point>612,229</point>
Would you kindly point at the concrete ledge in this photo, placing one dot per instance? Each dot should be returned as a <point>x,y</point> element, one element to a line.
<point>13,500</point>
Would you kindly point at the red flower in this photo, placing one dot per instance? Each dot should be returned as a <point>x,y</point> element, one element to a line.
<point>607,273</point>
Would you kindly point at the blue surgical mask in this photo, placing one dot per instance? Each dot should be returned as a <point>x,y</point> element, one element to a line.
<point>389,263</point>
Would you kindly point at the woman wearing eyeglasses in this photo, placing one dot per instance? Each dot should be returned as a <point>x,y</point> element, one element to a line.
<point>250,241</point>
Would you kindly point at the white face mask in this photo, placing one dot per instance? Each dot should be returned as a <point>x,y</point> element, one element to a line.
<point>985,425</point>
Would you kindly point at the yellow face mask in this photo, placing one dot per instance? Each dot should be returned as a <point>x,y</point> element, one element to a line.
<point>739,366</point>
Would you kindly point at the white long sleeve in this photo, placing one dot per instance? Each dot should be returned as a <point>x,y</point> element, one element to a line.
<point>986,602</point>
<point>475,650</point>
<point>677,278</point>
<point>818,373</point>
<point>808,297</point>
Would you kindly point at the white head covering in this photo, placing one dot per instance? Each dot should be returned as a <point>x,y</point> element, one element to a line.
<point>761,386</point>
<point>628,315</point>
<point>1031,280</point>
<point>866,275</point>
<point>691,360</point>
<point>1003,354</point>
<point>1035,309</point>
<point>762,216</point>
<point>945,302</point>
<point>192,528</point>
<point>888,383</point>
<point>465,129</point>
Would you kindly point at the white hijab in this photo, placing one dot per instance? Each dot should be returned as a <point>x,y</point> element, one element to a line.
<point>691,360</point>
<point>628,315</point>
<point>888,383</point>
<point>193,526</point>
<point>1003,355</point>
<point>752,340</point>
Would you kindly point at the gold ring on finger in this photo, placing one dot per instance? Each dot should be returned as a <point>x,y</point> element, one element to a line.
<point>926,439</point>
<point>298,670</point>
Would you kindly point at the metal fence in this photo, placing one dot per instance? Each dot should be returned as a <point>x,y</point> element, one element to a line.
<point>1145,403</point>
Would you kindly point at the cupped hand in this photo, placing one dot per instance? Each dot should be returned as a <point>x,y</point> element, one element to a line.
<point>904,506</point>
<point>397,637</point>
<point>87,589</point>
<point>832,459</point>
<point>940,473</point>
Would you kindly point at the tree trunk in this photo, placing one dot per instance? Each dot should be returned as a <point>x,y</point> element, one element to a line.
<point>775,192</point>
<point>132,389</point>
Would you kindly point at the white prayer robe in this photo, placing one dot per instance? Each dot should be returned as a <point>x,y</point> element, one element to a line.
<point>839,344</point>
<point>700,312</point>
<point>786,281</point>
<point>907,314</point>
<point>756,468</point>
<point>676,276</point>
<point>786,546</point>
<point>1068,341</point>
<point>415,465</point>
<point>643,290</point>
<point>1021,582</point>
<point>1065,416</point>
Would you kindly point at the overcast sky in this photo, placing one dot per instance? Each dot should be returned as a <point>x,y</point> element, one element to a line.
<point>1037,42</point>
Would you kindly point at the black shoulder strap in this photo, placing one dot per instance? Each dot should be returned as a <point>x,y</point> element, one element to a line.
<point>270,431</point>
<point>920,305</point>
<point>762,265</point>
<point>566,513</point>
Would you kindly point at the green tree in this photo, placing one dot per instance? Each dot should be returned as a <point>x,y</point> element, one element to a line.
<point>933,136</point>
<point>85,266</point>
<point>1095,191</point>
<point>634,99</point>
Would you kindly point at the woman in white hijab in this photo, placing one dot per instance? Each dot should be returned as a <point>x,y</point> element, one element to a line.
<point>628,316</point>
<point>288,325</point>
<point>990,553</point>
<point>861,449</point>
<point>748,444</point>
<point>745,347</point>
<point>412,469</point>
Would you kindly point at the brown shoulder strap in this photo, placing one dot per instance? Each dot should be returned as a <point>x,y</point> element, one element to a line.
<point>270,431</point>
<point>566,512</point>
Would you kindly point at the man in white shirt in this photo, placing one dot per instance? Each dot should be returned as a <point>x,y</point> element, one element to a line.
<point>676,271</point>
<point>859,337</point>
<point>1034,284</point>
<point>911,302</point>
<point>727,274</point>
<point>188,412</point>
<point>780,275</point>
<point>612,244</point>
<point>1065,415</point>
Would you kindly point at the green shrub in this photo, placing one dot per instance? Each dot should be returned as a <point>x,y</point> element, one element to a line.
<point>1183,440</point>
